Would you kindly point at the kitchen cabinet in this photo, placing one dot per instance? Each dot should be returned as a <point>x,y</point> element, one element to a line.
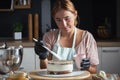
<point>99,55</point>
<point>109,59</point>
<point>37,62</point>
<point>28,62</point>
<point>22,4</point>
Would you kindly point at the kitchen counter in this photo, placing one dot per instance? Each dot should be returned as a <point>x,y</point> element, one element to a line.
<point>27,43</point>
<point>108,44</point>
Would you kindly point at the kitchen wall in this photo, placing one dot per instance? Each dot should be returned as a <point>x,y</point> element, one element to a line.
<point>8,18</point>
<point>84,8</point>
<point>91,12</point>
<point>45,15</point>
<point>104,14</point>
<point>118,18</point>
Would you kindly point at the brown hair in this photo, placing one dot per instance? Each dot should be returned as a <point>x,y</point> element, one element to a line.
<point>63,4</point>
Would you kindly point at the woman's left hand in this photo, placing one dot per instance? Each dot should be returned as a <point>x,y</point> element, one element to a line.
<point>85,64</point>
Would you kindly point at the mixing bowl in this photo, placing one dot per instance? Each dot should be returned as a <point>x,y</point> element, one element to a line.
<point>10,59</point>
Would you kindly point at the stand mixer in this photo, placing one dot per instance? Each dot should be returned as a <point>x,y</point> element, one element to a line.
<point>10,58</point>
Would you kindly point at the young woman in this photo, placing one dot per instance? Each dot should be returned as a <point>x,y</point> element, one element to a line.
<point>69,42</point>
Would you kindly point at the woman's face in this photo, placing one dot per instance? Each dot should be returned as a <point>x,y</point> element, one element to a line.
<point>65,20</point>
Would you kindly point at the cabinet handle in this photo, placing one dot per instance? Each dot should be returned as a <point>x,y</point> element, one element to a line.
<point>110,50</point>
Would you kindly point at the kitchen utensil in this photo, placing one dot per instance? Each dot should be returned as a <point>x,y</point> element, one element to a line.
<point>58,57</point>
<point>10,59</point>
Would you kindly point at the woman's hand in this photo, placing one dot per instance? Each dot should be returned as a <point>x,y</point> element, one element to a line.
<point>85,64</point>
<point>40,50</point>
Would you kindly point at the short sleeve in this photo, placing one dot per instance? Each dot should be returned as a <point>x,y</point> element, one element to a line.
<point>92,50</point>
<point>49,38</point>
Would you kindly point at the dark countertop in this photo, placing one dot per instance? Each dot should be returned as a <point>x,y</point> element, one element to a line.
<point>108,43</point>
<point>11,42</point>
<point>27,43</point>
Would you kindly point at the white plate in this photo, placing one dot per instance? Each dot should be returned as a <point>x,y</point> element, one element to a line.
<point>74,73</point>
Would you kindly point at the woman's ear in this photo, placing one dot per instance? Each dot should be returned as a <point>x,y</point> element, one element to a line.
<point>75,14</point>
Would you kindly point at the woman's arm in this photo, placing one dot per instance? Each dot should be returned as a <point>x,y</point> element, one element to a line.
<point>43,63</point>
<point>92,69</point>
<point>93,53</point>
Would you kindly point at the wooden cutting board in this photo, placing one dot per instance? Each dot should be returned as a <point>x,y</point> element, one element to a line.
<point>35,76</point>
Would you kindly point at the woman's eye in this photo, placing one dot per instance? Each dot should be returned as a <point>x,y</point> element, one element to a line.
<point>58,20</point>
<point>67,19</point>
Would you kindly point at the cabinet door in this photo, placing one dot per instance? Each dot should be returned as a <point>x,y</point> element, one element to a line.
<point>110,59</point>
<point>99,56</point>
<point>37,62</point>
<point>28,62</point>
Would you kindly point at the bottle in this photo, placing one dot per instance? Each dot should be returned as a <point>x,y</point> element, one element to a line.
<point>24,2</point>
<point>20,2</point>
<point>28,2</point>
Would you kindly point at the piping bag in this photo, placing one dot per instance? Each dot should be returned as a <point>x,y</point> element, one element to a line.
<point>50,51</point>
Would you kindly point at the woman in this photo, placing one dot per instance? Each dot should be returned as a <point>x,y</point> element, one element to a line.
<point>69,42</point>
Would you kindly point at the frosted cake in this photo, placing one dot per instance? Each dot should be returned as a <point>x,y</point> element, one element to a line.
<point>59,67</point>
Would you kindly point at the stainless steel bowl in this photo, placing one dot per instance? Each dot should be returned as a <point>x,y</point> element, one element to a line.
<point>10,59</point>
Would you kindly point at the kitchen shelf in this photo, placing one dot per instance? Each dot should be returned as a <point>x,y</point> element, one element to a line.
<point>22,5</point>
<point>6,10</point>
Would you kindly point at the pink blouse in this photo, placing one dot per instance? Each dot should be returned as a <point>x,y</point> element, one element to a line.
<point>87,46</point>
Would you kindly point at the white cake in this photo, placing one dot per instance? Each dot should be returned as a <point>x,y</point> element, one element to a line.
<point>60,67</point>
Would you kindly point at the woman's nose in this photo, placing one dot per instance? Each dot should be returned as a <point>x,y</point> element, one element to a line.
<point>64,23</point>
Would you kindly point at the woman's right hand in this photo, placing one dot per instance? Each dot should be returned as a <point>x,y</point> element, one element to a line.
<point>40,50</point>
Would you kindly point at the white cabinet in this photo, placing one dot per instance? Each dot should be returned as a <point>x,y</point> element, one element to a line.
<point>99,55</point>
<point>28,62</point>
<point>37,62</point>
<point>109,59</point>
